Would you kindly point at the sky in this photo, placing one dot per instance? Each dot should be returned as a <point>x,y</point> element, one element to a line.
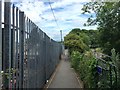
<point>68,14</point>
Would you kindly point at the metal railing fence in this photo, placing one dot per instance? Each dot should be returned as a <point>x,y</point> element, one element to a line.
<point>28,56</point>
<point>107,76</point>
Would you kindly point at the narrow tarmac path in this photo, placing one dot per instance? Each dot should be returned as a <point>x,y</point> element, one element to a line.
<point>65,77</point>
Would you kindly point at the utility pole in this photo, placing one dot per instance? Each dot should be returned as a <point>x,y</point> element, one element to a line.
<point>61,35</point>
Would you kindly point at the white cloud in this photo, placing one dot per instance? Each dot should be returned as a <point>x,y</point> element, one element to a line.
<point>68,16</point>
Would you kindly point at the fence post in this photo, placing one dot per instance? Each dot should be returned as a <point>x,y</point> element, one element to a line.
<point>13,45</point>
<point>7,45</point>
<point>17,46</point>
<point>0,43</point>
<point>21,48</point>
<point>28,62</point>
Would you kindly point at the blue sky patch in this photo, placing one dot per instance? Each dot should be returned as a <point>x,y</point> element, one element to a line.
<point>58,9</point>
<point>67,12</point>
<point>47,3</point>
<point>87,15</point>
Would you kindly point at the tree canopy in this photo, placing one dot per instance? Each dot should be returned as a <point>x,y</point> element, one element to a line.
<point>81,40</point>
<point>108,21</point>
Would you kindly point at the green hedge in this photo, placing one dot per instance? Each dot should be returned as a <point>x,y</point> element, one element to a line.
<point>84,64</point>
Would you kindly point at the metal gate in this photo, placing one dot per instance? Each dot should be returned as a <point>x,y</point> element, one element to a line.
<point>28,56</point>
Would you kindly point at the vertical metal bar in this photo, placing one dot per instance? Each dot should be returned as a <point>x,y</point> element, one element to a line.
<point>13,44</point>
<point>27,52</point>
<point>35,52</point>
<point>21,62</point>
<point>24,64</point>
<point>7,44</point>
<point>35,57</point>
<point>34,61</point>
<point>30,56</point>
<point>0,43</point>
<point>17,46</point>
<point>45,61</point>
<point>26,49</point>
<point>28,61</point>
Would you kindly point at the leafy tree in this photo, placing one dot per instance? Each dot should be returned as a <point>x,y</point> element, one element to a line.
<point>75,43</point>
<point>108,21</point>
<point>81,40</point>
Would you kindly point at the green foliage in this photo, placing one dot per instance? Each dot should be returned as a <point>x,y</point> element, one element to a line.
<point>9,72</point>
<point>75,59</point>
<point>116,60</point>
<point>81,40</point>
<point>108,21</point>
<point>75,42</point>
<point>84,64</point>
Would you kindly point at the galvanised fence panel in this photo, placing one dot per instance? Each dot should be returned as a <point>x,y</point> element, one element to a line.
<point>28,57</point>
<point>0,42</point>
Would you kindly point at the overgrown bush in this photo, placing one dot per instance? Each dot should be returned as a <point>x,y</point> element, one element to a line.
<point>116,61</point>
<point>75,59</point>
<point>85,66</point>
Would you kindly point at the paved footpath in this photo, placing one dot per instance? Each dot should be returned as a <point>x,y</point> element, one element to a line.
<point>64,77</point>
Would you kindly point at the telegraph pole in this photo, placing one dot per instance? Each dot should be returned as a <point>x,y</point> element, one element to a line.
<point>61,35</point>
